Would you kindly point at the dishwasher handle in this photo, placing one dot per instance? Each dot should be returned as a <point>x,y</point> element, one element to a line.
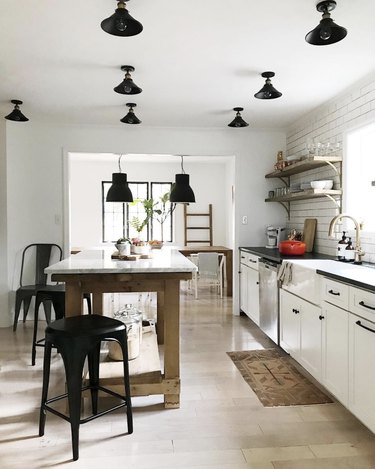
<point>268,264</point>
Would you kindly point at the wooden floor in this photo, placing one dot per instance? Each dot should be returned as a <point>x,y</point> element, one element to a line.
<point>220,425</point>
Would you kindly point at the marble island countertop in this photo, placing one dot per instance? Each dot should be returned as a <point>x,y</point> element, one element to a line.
<point>99,261</point>
<point>362,276</point>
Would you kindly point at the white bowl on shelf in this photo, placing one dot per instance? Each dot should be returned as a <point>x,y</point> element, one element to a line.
<point>328,184</point>
<point>318,184</point>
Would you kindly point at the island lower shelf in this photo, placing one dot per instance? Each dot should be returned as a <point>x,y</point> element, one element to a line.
<point>146,377</point>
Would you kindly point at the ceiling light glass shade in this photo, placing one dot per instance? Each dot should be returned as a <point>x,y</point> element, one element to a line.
<point>268,91</point>
<point>327,32</point>
<point>238,121</point>
<point>119,191</point>
<point>16,115</point>
<point>130,117</point>
<point>127,86</point>
<point>181,191</point>
<point>121,23</point>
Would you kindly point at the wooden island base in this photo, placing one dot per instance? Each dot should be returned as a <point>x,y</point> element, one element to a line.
<point>146,377</point>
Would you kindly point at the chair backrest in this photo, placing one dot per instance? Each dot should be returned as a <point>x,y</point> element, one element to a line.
<point>35,258</point>
<point>208,264</point>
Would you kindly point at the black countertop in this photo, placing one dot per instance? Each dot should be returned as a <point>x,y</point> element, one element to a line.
<point>275,256</point>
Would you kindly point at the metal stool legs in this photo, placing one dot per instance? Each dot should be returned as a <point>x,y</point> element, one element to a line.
<point>74,349</point>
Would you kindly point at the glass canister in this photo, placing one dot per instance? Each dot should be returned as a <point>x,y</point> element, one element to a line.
<point>132,318</point>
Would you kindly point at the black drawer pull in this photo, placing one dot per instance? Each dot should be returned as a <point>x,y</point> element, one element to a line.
<point>295,311</point>
<point>254,262</point>
<point>334,293</point>
<point>364,327</point>
<point>321,317</point>
<point>362,303</point>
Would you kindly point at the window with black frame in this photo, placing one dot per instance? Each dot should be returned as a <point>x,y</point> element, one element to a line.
<point>125,220</point>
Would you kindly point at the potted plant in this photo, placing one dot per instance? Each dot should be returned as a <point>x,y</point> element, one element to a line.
<point>162,209</point>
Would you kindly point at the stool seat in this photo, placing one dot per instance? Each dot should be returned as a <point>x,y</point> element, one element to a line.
<point>76,338</point>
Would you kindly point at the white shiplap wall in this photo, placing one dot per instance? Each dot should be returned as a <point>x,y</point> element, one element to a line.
<point>330,123</point>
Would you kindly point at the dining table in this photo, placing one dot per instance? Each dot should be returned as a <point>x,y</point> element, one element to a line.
<point>227,252</point>
<point>96,271</point>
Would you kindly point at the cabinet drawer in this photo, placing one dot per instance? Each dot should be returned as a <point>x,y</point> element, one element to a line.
<point>336,293</point>
<point>362,302</point>
<point>251,260</point>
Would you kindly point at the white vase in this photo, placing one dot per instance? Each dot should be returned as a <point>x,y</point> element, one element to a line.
<point>123,249</point>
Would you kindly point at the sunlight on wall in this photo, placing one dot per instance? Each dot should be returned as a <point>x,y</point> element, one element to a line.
<point>359,193</point>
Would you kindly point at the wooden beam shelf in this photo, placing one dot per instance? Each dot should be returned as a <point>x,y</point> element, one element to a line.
<point>308,163</point>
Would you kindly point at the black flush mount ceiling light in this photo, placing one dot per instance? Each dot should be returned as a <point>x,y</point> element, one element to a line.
<point>127,86</point>
<point>238,121</point>
<point>119,191</point>
<point>130,117</point>
<point>16,115</point>
<point>121,23</point>
<point>268,91</point>
<point>327,32</point>
<point>181,191</point>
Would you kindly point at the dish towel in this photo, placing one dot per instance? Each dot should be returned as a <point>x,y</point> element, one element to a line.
<point>285,274</point>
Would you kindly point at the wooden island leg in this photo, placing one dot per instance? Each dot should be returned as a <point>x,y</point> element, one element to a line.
<point>73,299</point>
<point>172,341</point>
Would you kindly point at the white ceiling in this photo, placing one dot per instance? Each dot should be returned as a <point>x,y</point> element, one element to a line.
<point>195,60</point>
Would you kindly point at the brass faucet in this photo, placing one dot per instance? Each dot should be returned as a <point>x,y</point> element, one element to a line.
<point>358,253</point>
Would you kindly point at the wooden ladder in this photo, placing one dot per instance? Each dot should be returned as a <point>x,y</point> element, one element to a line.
<point>208,228</point>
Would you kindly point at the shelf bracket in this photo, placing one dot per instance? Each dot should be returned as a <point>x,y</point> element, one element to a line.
<point>332,166</point>
<point>286,205</point>
<point>337,203</point>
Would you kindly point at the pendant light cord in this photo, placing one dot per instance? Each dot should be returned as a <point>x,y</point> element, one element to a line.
<point>119,162</point>
<point>182,165</point>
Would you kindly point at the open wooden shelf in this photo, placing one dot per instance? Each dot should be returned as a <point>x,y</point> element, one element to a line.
<point>311,162</point>
<point>306,194</point>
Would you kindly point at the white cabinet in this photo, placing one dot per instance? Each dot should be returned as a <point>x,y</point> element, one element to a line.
<point>290,323</point>
<point>361,369</point>
<point>335,351</point>
<point>301,331</point>
<point>249,285</point>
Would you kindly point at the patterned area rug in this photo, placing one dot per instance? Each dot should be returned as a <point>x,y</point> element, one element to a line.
<point>275,380</point>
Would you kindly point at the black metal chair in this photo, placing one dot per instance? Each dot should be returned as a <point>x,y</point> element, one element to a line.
<point>76,338</point>
<point>36,257</point>
<point>57,298</point>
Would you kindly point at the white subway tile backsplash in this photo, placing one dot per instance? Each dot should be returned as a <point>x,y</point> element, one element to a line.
<point>328,123</point>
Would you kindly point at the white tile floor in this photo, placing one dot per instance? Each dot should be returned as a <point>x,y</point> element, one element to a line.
<point>220,425</point>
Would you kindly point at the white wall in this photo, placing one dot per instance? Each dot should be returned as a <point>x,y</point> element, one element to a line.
<point>208,180</point>
<point>35,173</point>
<point>4,305</point>
<point>330,123</point>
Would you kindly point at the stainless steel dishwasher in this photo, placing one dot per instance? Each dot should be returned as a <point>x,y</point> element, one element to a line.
<point>269,299</point>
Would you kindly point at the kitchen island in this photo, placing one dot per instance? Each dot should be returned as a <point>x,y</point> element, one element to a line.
<point>94,271</point>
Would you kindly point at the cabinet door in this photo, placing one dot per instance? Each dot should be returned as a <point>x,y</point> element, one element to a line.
<point>335,351</point>
<point>290,311</point>
<point>243,288</point>
<point>253,295</point>
<point>361,369</point>
<point>311,338</point>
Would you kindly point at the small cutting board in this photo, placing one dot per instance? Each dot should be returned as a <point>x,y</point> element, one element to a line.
<point>309,230</point>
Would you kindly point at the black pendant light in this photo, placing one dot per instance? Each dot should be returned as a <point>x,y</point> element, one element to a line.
<point>16,115</point>
<point>130,117</point>
<point>181,191</point>
<point>121,23</point>
<point>268,91</point>
<point>238,121</point>
<point>327,32</point>
<point>119,191</point>
<point>127,86</point>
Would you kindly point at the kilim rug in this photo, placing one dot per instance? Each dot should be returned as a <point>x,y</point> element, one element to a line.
<point>275,380</point>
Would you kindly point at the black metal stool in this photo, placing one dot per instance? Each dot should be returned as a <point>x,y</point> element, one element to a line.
<point>78,337</point>
<point>57,298</point>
